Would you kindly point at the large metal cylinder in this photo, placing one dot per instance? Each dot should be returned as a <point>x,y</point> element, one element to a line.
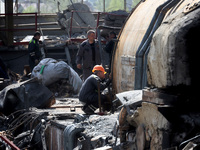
<point>168,64</point>
<point>129,41</point>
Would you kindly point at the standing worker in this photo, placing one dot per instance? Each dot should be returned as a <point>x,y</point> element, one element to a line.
<point>89,91</point>
<point>88,55</point>
<point>34,50</point>
<point>110,46</point>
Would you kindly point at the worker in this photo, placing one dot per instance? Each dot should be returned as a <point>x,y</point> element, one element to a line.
<point>88,55</point>
<point>3,69</point>
<point>34,51</point>
<point>89,91</point>
<point>110,46</point>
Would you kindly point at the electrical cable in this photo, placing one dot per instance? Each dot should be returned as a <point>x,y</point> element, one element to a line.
<point>6,60</point>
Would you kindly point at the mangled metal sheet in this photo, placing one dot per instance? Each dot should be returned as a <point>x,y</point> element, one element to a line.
<point>30,93</point>
<point>151,126</point>
<point>130,97</point>
<point>77,17</point>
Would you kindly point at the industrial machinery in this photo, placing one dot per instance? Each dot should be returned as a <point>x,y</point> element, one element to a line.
<point>156,54</point>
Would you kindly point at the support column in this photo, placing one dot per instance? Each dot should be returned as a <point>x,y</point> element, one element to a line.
<point>38,6</point>
<point>9,21</point>
<point>104,6</point>
<point>125,5</point>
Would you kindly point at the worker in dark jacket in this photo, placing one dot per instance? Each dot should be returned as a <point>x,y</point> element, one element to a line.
<point>110,46</point>
<point>88,55</point>
<point>89,90</point>
<point>34,51</point>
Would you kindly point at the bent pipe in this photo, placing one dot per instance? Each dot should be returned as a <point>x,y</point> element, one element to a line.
<point>99,41</point>
<point>158,10</point>
<point>181,146</point>
<point>70,133</point>
<point>139,70</point>
<point>144,76</point>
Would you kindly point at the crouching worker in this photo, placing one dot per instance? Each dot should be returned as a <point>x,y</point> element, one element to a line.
<point>89,91</point>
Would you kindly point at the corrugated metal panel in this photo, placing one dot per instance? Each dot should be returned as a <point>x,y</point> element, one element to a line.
<point>129,41</point>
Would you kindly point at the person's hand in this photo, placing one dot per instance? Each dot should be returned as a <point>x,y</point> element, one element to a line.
<point>36,61</point>
<point>79,66</point>
<point>110,76</point>
<point>68,42</point>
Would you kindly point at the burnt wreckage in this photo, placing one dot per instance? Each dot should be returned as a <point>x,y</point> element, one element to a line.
<point>155,91</point>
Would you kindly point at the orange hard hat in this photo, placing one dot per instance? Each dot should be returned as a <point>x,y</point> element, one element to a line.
<point>98,68</point>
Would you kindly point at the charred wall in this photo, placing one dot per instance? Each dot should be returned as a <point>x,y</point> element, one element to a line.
<point>173,58</point>
<point>173,55</point>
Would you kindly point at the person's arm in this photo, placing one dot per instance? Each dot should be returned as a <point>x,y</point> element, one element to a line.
<point>79,57</point>
<point>31,49</point>
<point>109,46</point>
<point>103,85</point>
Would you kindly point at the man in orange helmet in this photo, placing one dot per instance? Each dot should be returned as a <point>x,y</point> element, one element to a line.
<point>89,90</point>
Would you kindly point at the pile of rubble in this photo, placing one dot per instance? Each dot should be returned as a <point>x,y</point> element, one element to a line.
<point>61,88</point>
<point>77,16</point>
<point>116,18</point>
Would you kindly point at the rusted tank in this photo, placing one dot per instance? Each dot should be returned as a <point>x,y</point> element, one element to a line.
<point>160,33</point>
<point>129,41</point>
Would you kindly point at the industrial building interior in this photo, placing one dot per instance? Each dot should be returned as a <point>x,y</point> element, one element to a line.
<point>154,69</point>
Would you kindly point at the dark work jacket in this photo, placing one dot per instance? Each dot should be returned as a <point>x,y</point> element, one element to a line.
<point>90,88</point>
<point>33,49</point>
<point>109,47</point>
<point>84,55</point>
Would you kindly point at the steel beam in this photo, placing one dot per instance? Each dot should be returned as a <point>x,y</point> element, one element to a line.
<point>9,21</point>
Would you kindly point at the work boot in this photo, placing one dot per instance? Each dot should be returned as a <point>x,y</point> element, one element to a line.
<point>89,109</point>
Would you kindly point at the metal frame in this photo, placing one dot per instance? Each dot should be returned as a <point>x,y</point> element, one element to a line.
<point>24,29</point>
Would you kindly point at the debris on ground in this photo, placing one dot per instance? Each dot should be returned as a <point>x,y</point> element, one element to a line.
<point>94,131</point>
<point>116,18</point>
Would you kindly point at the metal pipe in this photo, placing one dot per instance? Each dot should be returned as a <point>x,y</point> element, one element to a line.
<point>98,16</point>
<point>124,5</point>
<point>187,141</point>
<point>38,6</point>
<point>69,134</point>
<point>139,70</point>
<point>104,6</point>
<point>99,96</point>
<point>144,78</point>
<point>7,141</point>
<point>151,25</point>
<point>35,21</point>
<point>99,41</point>
<point>70,32</point>
<point>138,65</point>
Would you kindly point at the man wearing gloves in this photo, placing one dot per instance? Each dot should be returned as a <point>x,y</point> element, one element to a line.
<point>89,90</point>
